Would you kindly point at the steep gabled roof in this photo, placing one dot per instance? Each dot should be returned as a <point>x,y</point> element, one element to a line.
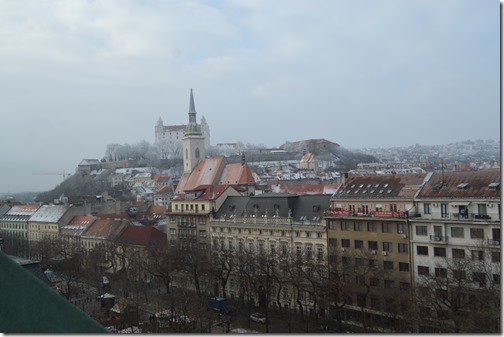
<point>236,174</point>
<point>141,236</point>
<point>206,172</point>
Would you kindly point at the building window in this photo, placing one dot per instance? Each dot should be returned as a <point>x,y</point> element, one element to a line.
<point>421,230</point>
<point>173,231</point>
<point>482,209</point>
<point>402,247</point>
<point>284,249</point>
<point>403,266</point>
<point>358,226</point>
<point>459,274</point>
<point>309,252</point>
<point>479,278</point>
<point>458,253</point>
<point>402,228</point>
<point>404,286</point>
<point>374,282</point>
<point>444,210</point>
<point>240,247</point>
<point>272,249</point>
<point>457,232</point>
<point>371,227</point>
<point>387,246</point>
<point>359,244</point>
<point>388,265</point>
<point>332,224</point>
<point>320,253</point>
<point>388,284</point>
<point>496,257</point>
<point>423,270</point>
<point>422,250</point>
<point>345,243</point>
<point>202,234</point>
<point>496,279</point>
<point>477,255</point>
<point>345,260</point>
<point>386,227</point>
<point>359,262</point>
<point>477,233</point>
<point>373,245</point>
<point>438,251</point>
<point>427,208</point>
<point>308,234</point>
<point>298,251</point>
<point>345,226</point>
<point>440,272</point>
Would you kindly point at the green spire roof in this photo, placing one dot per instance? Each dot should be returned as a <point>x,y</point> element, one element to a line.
<point>193,128</point>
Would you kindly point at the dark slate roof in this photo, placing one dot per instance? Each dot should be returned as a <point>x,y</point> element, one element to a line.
<point>467,184</point>
<point>31,306</point>
<point>309,206</point>
<point>381,186</point>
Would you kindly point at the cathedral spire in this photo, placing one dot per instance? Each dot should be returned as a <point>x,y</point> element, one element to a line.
<point>193,128</point>
<point>192,110</point>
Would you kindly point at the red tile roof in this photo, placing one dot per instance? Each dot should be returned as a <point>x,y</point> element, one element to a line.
<point>77,225</point>
<point>106,229</point>
<point>205,173</point>
<point>236,174</point>
<point>141,236</point>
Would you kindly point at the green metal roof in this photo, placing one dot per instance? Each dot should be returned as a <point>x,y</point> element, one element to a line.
<point>27,305</point>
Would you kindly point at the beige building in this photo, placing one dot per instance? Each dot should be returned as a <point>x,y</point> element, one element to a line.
<point>14,223</point>
<point>47,221</point>
<point>277,227</point>
<point>368,239</point>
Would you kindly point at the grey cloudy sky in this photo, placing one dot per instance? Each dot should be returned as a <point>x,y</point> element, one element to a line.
<point>78,75</point>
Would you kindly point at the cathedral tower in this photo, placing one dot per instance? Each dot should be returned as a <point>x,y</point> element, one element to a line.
<point>193,142</point>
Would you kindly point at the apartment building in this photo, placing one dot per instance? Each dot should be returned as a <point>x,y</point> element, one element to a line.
<point>278,227</point>
<point>47,221</point>
<point>14,223</point>
<point>456,241</point>
<point>368,240</point>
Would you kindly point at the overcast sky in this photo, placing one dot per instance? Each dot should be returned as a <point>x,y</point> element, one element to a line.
<point>78,75</point>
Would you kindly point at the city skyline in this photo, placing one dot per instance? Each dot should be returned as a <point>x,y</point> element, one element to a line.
<point>81,75</point>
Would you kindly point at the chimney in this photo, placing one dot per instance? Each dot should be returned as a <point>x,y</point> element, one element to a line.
<point>243,159</point>
<point>343,178</point>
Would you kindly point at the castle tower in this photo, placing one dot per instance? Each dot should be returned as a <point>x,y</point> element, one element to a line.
<point>193,142</point>
<point>158,131</point>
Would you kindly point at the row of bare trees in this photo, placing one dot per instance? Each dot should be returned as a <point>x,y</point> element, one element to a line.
<point>461,296</point>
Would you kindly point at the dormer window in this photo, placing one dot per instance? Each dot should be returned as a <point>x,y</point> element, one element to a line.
<point>389,191</point>
<point>493,186</point>
<point>385,185</point>
<point>462,186</point>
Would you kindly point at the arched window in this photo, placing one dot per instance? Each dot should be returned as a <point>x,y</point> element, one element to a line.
<point>186,154</point>
<point>197,154</point>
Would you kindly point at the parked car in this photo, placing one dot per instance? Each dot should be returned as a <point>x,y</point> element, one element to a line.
<point>258,317</point>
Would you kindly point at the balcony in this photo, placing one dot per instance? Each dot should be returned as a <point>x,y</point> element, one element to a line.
<point>493,242</point>
<point>438,238</point>
<point>340,213</point>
